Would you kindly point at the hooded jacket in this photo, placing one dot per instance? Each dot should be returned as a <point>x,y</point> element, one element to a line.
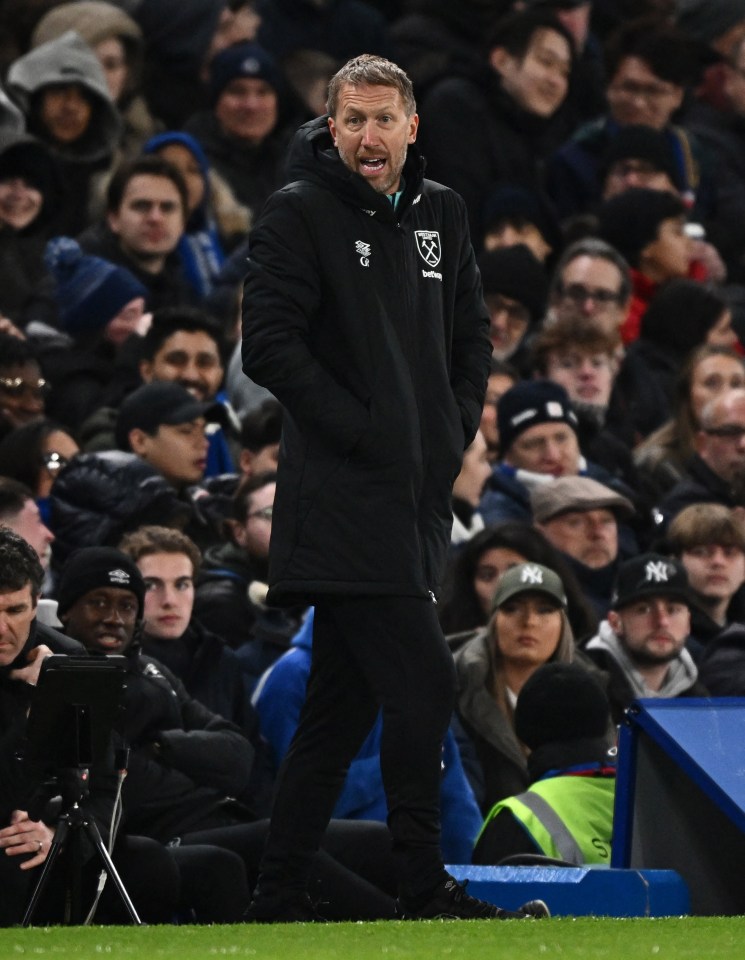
<point>96,21</point>
<point>367,322</point>
<point>68,59</point>
<point>85,163</point>
<point>627,684</point>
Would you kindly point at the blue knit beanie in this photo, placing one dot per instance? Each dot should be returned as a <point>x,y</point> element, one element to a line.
<point>89,291</point>
<point>242,60</point>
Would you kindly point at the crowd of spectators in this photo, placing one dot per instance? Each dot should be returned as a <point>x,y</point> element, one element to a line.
<point>598,546</point>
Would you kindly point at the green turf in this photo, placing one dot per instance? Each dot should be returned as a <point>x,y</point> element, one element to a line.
<point>667,939</point>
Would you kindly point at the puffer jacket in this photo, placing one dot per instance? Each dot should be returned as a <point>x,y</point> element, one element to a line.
<point>367,323</point>
<point>98,497</point>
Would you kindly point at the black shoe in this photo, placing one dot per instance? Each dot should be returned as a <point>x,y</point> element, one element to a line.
<point>451,902</point>
<point>295,909</point>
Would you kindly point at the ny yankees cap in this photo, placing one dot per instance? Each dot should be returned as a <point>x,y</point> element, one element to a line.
<point>529,578</point>
<point>650,575</point>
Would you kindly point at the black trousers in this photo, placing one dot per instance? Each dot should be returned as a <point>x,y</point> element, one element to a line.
<point>368,653</point>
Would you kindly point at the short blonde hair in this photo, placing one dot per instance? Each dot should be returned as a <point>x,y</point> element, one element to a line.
<point>375,71</point>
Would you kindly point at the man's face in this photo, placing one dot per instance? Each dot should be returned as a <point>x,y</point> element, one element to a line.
<point>669,255</point>
<point>537,82</point>
<point>653,630</point>
<point>248,109</point>
<point>190,358</point>
<point>508,324</point>
<point>638,96</point>
<point>21,393</point>
<point>178,452</point>
<point>103,619</point>
<point>591,290</point>
<point>715,571</point>
<point>589,536</point>
<point>549,448</point>
<point>66,112</point>
<point>17,611</point>
<point>586,376</point>
<point>169,600</point>
<point>150,220</point>
<point>27,523</point>
<point>372,133</point>
<point>254,534</point>
<point>721,443</point>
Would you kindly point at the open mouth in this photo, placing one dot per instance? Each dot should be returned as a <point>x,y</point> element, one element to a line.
<point>110,640</point>
<point>372,166</point>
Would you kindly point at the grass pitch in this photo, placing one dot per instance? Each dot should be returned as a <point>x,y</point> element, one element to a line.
<point>684,938</point>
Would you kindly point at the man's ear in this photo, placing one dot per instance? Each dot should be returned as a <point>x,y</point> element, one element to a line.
<point>146,371</point>
<point>332,129</point>
<point>138,441</point>
<point>616,624</point>
<point>112,219</point>
<point>498,59</point>
<point>237,531</point>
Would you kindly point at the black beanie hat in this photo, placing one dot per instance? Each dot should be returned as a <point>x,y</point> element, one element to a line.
<point>561,702</point>
<point>531,402</point>
<point>94,567</point>
<point>515,273</point>
<point>242,60</point>
<point>637,142</point>
<point>630,221</point>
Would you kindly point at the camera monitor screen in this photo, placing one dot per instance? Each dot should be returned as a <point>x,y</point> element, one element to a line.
<point>75,706</point>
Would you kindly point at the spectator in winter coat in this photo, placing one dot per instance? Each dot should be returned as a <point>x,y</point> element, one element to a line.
<point>63,91</point>
<point>641,645</point>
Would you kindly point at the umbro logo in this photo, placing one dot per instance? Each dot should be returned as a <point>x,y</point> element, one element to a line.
<point>363,250</point>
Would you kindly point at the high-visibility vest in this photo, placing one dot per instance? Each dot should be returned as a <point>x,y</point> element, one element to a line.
<point>569,817</point>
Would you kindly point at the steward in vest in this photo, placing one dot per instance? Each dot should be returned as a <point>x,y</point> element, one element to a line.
<point>563,716</point>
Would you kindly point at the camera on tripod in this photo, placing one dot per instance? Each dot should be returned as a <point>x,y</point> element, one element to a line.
<point>74,712</point>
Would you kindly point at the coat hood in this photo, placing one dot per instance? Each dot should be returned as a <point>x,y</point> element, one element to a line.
<point>93,20</point>
<point>313,156</point>
<point>11,118</point>
<point>69,59</point>
<point>160,140</point>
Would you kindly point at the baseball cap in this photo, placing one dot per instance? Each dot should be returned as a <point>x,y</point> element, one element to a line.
<point>529,578</point>
<point>576,493</point>
<point>162,402</point>
<point>650,575</point>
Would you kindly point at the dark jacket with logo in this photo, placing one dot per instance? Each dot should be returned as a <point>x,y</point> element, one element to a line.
<point>368,324</point>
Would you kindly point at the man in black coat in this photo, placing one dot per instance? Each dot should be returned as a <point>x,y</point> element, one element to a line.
<point>24,644</point>
<point>363,315</point>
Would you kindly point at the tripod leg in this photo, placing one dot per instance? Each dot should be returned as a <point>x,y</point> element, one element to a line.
<point>93,833</point>
<point>60,835</point>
